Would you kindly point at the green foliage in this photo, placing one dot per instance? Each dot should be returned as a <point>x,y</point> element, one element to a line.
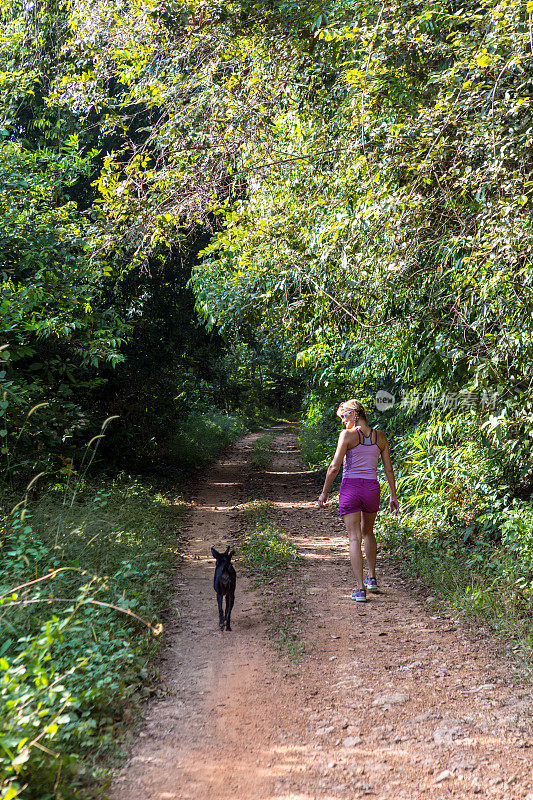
<point>95,307</point>
<point>257,376</point>
<point>490,581</point>
<point>266,551</point>
<point>349,186</point>
<point>173,80</point>
<point>56,324</point>
<point>318,432</point>
<point>201,437</point>
<point>364,170</point>
<point>85,578</point>
<point>270,557</point>
<point>394,226</point>
<point>55,329</point>
<point>260,451</point>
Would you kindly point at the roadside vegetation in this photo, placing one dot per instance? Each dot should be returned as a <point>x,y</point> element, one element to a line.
<point>464,528</point>
<point>201,438</point>
<point>87,564</point>
<point>86,575</point>
<point>260,451</point>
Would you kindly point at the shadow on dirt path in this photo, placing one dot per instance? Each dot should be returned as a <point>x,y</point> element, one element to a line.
<point>390,700</point>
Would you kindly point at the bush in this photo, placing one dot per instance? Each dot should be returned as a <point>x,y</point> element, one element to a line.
<point>202,437</point>
<point>85,576</point>
<point>492,582</point>
<point>461,529</point>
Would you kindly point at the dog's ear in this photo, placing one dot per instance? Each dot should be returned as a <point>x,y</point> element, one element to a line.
<point>214,553</point>
<point>232,554</point>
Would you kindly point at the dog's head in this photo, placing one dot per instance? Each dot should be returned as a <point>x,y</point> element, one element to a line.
<point>224,558</point>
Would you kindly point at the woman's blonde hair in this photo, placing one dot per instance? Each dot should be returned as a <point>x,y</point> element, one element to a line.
<point>353,405</point>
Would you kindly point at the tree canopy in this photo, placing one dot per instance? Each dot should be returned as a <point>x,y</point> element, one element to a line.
<point>219,211</point>
<point>357,176</point>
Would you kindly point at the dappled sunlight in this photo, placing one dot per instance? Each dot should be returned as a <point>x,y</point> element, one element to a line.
<point>292,472</point>
<point>292,504</point>
<point>214,509</point>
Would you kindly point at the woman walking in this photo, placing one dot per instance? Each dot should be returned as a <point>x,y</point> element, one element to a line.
<point>358,450</point>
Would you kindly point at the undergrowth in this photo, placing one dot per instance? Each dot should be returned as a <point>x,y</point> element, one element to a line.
<point>461,529</point>
<point>487,582</point>
<point>260,451</point>
<point>85,574</point>
<point>200,439</point>
<point>270,557</point>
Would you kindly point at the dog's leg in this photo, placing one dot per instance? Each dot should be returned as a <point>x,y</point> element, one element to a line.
<point>226,613</point>
<point>230,599</point>
<point>220,612</point>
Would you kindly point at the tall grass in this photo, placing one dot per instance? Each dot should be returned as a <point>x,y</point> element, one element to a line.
<point>461,529</point>
<point>492,582</point>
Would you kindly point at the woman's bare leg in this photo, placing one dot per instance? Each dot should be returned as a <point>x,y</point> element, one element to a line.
<point>353,528</point>
<point>371,547</point>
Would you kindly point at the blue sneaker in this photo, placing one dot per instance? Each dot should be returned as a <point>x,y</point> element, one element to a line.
<point>371,584</point>
<point>359,595</point>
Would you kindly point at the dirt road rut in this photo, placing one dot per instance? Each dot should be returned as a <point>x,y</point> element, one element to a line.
<point>390,699</point>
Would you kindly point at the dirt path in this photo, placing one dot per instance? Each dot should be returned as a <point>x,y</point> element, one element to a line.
<point>391,700</point>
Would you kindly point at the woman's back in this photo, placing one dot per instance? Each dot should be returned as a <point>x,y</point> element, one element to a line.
<point>361,460</point>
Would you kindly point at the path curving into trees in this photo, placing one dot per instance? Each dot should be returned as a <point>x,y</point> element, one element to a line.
<point>392,699</point>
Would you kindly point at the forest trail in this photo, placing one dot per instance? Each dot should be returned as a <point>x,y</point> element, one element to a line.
<point>390,700</point>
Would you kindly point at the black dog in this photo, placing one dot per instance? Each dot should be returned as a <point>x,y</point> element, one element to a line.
<point>224,583</point>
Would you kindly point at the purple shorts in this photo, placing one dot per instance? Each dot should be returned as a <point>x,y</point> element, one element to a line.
<point>359,494</point>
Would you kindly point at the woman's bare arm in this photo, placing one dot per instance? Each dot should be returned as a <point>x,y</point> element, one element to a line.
<point>389,472</point>
<point>334,467</point>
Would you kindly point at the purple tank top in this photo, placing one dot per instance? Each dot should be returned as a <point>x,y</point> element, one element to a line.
<point>361,461</point>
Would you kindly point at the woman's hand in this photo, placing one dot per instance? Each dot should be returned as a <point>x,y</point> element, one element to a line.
<point>394,505</point>
<point>322,500</point>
